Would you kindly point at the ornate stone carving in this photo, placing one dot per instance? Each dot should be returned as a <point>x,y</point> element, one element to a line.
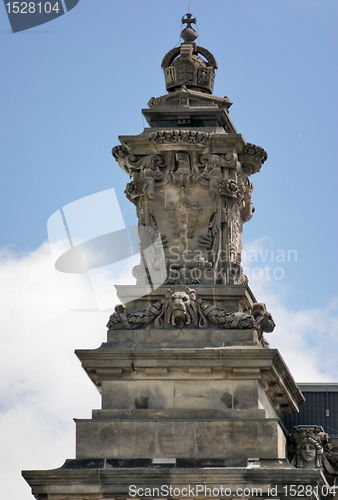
<point>183,66</point>
<point>179,136</point>
<point>180,306</point>
<point>148,164</point>
<point>263,318</point>
<point>311,449</point>
<point>246,188</point>
<point>130,321</point>
<point>192,184</point>
<point>224,319</point>
<point>119,152</point>
<point>256,152</point>
<point>197,202</point>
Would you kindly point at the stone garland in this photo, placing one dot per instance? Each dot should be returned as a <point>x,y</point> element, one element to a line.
<point>180,308</point>
<point>235,320</point>
<point>130,321</point>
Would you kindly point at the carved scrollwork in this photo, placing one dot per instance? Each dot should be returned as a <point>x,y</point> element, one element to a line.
<point>150,162</point>
<point>231,161</point>
<point>148,170</point>
<point>211,160</point>
<point>212,165</point>
<point>133,164</point>
<point>207,162</point>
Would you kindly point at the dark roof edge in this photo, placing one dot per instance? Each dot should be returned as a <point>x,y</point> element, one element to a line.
<point>318,387</point>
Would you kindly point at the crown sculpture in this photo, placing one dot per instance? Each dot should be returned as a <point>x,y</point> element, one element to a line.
<point>192,394</point>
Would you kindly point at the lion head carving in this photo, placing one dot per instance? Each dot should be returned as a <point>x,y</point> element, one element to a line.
<point>263,318</point>
<point>180,306</point>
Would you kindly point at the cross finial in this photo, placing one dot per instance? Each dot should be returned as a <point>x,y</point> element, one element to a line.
<point>188,21</point>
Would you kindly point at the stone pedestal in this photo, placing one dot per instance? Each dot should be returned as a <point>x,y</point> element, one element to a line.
<point>114,479</point>
<point>181,400</point>
<point>177,401</point>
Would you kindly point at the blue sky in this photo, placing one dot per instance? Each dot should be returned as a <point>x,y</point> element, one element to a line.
<point>69,88</point>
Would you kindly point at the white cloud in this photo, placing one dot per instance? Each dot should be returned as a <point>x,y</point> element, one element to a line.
<point>42,385</point>
<point>306,338</point>
<point>307,341</point>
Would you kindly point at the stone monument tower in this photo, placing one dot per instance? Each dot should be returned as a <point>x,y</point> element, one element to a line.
<point>192,395</point>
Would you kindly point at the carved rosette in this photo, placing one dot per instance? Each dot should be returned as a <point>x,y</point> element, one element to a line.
<point>195,199</point>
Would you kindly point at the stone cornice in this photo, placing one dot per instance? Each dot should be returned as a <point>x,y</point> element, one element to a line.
<point>109,362</point>
<point>106,477</point>
<point>204,99</point>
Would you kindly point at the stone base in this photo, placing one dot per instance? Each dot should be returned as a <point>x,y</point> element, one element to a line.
<point>98,479</point>
<point>197,403</point>
<point>237,438</point>
<point>184,337</point>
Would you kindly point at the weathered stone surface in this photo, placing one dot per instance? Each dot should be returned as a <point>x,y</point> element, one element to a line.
<point>202,394</point>
<point>175,439</point>
<point>182,337</point>
<point>179,413</point>
<point>139,394</point>
<point>192,391</point>
<point>179,439</point>
<point>245,395</point>
<point>97,479</point>
<point>124,439</point>
<point>238,439</point>
<point>259,376</point>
